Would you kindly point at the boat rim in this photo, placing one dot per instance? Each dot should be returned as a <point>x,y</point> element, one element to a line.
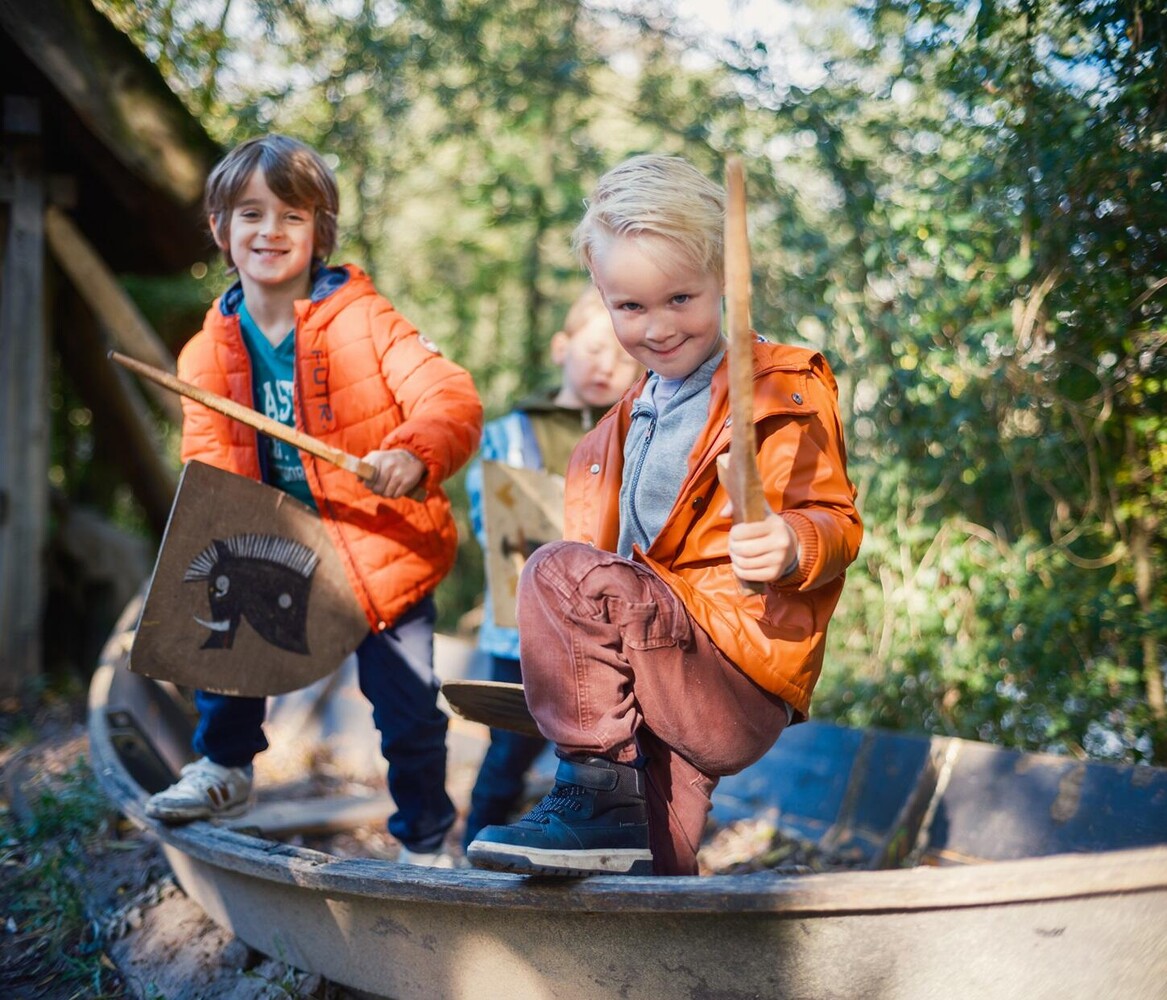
<point>1061,876</point>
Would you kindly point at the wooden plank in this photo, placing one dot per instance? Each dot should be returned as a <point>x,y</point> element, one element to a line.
<point>333,814</point>
<point>60,189</point>
<point>497,704</point>
<point>738,471</point>
<point>115,92</point>
<point>126,431</point>
<point>99,287</point>
<point>24,419</point>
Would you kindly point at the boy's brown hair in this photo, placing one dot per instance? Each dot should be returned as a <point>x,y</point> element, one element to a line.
<point>294,171</point>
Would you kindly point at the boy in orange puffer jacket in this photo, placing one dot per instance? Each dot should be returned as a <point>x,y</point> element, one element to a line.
<point>318,348</point>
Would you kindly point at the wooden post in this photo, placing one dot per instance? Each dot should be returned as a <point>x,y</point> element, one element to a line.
<point>24,417</point>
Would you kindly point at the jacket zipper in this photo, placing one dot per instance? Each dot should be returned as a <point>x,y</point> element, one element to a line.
<point>635,484</point>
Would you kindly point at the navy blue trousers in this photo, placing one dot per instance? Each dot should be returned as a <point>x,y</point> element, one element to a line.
<point>396,673</point>
<point>501,777</point>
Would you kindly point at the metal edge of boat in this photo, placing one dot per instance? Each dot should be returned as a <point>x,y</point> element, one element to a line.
<point>1028,927</point>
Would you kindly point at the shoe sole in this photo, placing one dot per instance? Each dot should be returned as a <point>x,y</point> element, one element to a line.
<point>180,815</point>
<point>542,861</point>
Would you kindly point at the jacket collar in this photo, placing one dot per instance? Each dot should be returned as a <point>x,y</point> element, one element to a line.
<point>325,282</point>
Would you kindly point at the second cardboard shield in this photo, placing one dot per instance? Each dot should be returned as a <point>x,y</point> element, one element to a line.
<point>248,595</point>
<point>521,510</point>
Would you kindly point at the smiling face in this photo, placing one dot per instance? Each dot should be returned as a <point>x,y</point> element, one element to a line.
<point>269,241</point>
<point>666,313</point>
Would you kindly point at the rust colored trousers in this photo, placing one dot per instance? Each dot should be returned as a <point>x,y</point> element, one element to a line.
<point>613,665</point>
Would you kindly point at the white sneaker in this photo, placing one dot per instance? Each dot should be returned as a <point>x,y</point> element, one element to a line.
<point>430,859</point>
<point>206,790</point>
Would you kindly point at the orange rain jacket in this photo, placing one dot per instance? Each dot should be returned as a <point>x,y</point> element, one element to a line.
<point>777,638</point>
<point>365,379</point>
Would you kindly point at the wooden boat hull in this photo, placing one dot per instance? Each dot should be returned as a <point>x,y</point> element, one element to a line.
<point>1085,924</point>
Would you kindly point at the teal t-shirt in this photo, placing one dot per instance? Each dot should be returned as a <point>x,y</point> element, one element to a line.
<point>272,378</point>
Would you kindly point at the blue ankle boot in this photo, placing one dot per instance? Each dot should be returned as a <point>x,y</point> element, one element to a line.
<point>594,821</point>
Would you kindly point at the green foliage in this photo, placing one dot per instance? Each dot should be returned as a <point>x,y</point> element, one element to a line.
<point>1010,644</point>
<point>43,859</point>
<point>1016,326</point>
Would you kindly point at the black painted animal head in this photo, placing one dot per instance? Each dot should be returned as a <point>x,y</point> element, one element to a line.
<point>263,578</point>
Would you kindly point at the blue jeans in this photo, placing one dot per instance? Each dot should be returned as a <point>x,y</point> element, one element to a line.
<point>500,780</point>
<point>396,673</point>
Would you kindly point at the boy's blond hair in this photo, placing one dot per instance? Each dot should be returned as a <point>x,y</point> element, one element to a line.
<point>294,171</point>
<point>654,195</point>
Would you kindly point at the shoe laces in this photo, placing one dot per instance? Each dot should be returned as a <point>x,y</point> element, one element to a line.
<point>197,777</point>
<point>561,799</point>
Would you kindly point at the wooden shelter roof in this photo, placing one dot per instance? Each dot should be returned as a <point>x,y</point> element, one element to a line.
<point>113,128</point>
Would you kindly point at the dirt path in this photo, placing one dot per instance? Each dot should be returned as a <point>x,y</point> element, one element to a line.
<point>136,935</point>
<point>175,951</point>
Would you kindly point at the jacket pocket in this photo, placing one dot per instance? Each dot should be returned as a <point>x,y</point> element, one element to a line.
<point>648,626</point>
<point>789,394</point>
<point>789,615</point>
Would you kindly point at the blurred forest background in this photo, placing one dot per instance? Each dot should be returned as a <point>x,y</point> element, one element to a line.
<point>961,204</point>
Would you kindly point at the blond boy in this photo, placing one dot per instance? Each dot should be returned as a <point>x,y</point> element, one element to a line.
<point>643,661</point>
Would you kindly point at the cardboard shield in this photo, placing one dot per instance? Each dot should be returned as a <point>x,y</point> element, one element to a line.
<point>248,595</point>
<point>521,510</point>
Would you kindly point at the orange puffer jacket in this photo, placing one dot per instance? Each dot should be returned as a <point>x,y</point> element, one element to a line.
<point>778,637</point>
<point>365,380</point>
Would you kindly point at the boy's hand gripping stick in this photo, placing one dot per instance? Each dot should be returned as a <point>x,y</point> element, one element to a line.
<point>738,471</point>
<point>253,419</point>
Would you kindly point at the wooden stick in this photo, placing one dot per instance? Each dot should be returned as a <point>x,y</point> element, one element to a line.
<point>739,473</point>
<point>258,421</point>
